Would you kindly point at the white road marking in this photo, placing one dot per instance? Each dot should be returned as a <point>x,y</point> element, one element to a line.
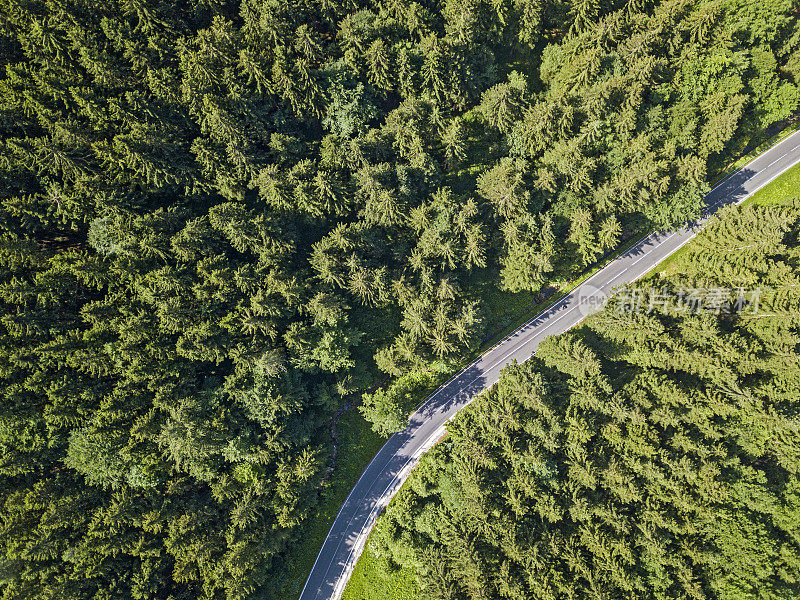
<point>625,270</point>
<point>773,162</point>
<point>507,354</point>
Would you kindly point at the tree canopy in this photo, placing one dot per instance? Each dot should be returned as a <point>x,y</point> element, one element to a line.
<point>651,453</point>
<point>221,222</point>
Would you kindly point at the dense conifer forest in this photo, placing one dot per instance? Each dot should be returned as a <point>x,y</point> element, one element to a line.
<point>652,453</point>
<point>221,222</point>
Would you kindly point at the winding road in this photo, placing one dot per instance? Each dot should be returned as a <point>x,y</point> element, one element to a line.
<point>393,463</point>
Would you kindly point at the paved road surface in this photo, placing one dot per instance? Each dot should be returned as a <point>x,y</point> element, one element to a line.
<point>391,466</point>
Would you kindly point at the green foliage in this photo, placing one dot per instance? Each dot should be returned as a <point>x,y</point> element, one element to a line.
<point>387,409</point>
<point>647,454</point>
<point>372,580</point>
<point>223,221</point>
<point>350,108</point>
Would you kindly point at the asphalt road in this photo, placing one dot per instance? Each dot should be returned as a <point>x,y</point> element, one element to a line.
<point>391,466</point>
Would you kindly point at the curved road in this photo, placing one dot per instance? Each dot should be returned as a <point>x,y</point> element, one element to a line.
<point>391,466</point>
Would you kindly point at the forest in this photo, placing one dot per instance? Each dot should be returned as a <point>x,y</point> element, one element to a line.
<point>650,453</point>
<point>222,222</point>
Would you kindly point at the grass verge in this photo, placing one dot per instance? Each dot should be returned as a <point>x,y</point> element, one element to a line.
<point>357,445</point>
<point>776,192</point>
<point>371,580</point>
